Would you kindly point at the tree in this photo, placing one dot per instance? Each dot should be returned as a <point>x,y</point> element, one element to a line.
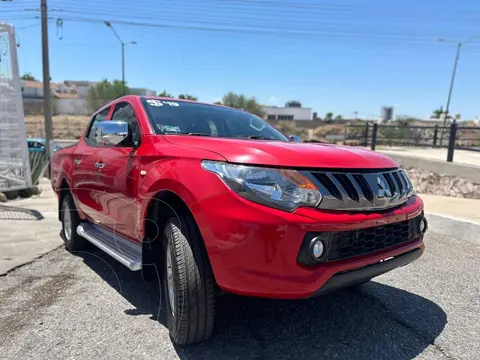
<point>164,93</point>
<point>338,118</point>
<point>218,102</point>
<point>240,101</point>
<point>328,117</point>
<point>104,92</point>
<point>187,97</point>
<point>437,113</point>
<point>28,77</point>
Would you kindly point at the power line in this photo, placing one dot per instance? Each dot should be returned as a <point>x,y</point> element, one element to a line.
<point>268,6</point>
<point>262,25</point>
<point>272,23</point>
<point>270,31</point>
<point>205,11</point>
<point>248,27</point>
<point>266,31</point>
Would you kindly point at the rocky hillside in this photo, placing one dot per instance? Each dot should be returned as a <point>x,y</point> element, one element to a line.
<point>427,182</point>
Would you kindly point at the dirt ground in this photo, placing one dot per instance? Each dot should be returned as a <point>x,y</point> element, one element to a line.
<point>64,126</point>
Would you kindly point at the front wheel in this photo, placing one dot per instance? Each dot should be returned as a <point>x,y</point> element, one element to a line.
<point>188,283</point>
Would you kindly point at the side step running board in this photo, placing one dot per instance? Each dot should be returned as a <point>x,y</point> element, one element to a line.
<point>115,245</point>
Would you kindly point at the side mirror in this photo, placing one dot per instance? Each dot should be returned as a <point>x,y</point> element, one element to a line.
<point>295,138</point>
<point>113,133</point>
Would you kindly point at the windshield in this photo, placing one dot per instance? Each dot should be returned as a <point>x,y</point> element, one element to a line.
<point>180,117</point>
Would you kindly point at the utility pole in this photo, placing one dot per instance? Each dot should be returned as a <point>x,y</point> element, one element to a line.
<point>109,24</point>
<point>47,96</point>
<point>123,69</point>
<point>452,82</point>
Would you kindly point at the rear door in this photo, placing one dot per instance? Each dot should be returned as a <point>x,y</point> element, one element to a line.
<point>86,180</point>
<point>120,173</point>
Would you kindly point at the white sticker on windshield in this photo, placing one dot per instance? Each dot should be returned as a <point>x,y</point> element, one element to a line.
<point>154,102</point>
<point>167,128</point>
<point>162,102</point>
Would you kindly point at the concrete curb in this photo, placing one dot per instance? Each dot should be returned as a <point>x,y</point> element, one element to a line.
<point>16,267</point>
<point>460,229</point>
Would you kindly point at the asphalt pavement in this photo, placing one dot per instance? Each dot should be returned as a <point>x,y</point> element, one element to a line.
<point>86,306</point>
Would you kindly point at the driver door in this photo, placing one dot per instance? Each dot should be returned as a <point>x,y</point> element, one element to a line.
<point>87,187</point>
<point>120,172</point>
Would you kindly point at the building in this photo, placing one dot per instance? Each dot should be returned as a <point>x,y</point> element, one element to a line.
<point>81,86</point>
<point>34,89</point>
<point>70,97</point>
<point>66,99</point>
<point>287,113</point>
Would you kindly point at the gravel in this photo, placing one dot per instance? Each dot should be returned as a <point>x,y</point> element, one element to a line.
<point>87,306</point>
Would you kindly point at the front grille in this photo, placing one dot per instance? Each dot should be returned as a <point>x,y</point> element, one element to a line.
<point>341,245</point>
<point>347,244</point>
<point>362,190</point>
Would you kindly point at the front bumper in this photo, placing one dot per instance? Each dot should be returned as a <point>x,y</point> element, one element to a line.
<point>253,249</point>
<point>360,275</point>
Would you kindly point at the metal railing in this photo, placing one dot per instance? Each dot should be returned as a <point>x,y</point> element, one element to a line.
<point>454,136</point>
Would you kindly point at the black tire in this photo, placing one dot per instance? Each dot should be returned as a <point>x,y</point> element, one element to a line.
<point>11,195</point>
<point>73,241</point>
<point>192,319</point>
<point>26,193</point>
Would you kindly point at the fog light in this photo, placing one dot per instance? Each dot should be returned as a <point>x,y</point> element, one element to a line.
<point>423,225</point>
<point>317,248</point>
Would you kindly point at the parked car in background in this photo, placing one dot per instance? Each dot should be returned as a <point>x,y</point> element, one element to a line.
<point>38,144</point>
<point>220,201</point>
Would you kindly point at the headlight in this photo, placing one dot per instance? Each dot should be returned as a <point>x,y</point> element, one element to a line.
<point>278,188</point>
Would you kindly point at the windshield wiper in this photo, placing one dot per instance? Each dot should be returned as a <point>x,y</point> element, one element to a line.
<point>257,137</point>
<point>185,133</point>
<point>198,134</point>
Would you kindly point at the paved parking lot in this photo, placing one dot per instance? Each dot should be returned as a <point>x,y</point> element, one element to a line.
<point>88,306</point>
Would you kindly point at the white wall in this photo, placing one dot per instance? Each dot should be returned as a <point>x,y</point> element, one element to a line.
<point>298,113</point>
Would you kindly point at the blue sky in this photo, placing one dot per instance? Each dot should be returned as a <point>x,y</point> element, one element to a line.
<point>339,56</point>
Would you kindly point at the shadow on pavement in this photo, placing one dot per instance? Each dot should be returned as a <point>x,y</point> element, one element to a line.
<point>372,321</point>
<point>18,213</point>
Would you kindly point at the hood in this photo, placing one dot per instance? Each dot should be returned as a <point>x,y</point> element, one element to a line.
<point>288,154</point>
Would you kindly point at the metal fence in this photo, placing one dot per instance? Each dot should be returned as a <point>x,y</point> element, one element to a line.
<point>14,162</point>
<point>450,137</point>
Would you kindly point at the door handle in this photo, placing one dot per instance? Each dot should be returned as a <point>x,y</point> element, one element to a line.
<point>77,161</point>
<point>99,165</point>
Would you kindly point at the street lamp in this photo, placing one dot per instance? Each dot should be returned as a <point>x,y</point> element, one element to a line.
<point>455,64</point>
<point>123,53</point>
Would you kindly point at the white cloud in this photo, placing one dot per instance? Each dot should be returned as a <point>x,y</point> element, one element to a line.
<point>272,99</point>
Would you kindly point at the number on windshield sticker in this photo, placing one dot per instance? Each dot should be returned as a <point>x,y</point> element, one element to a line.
<point>161,103</point>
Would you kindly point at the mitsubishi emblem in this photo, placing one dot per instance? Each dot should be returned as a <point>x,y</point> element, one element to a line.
<point>382,191</point>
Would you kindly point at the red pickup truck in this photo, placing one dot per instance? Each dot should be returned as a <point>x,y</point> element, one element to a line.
<point>219,201</point>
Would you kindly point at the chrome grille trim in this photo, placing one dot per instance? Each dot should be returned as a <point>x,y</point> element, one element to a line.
<point>362,190</point>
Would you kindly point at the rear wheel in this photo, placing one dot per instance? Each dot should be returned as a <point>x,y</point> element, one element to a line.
<point>188,283</point>
<point>70,221</point>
